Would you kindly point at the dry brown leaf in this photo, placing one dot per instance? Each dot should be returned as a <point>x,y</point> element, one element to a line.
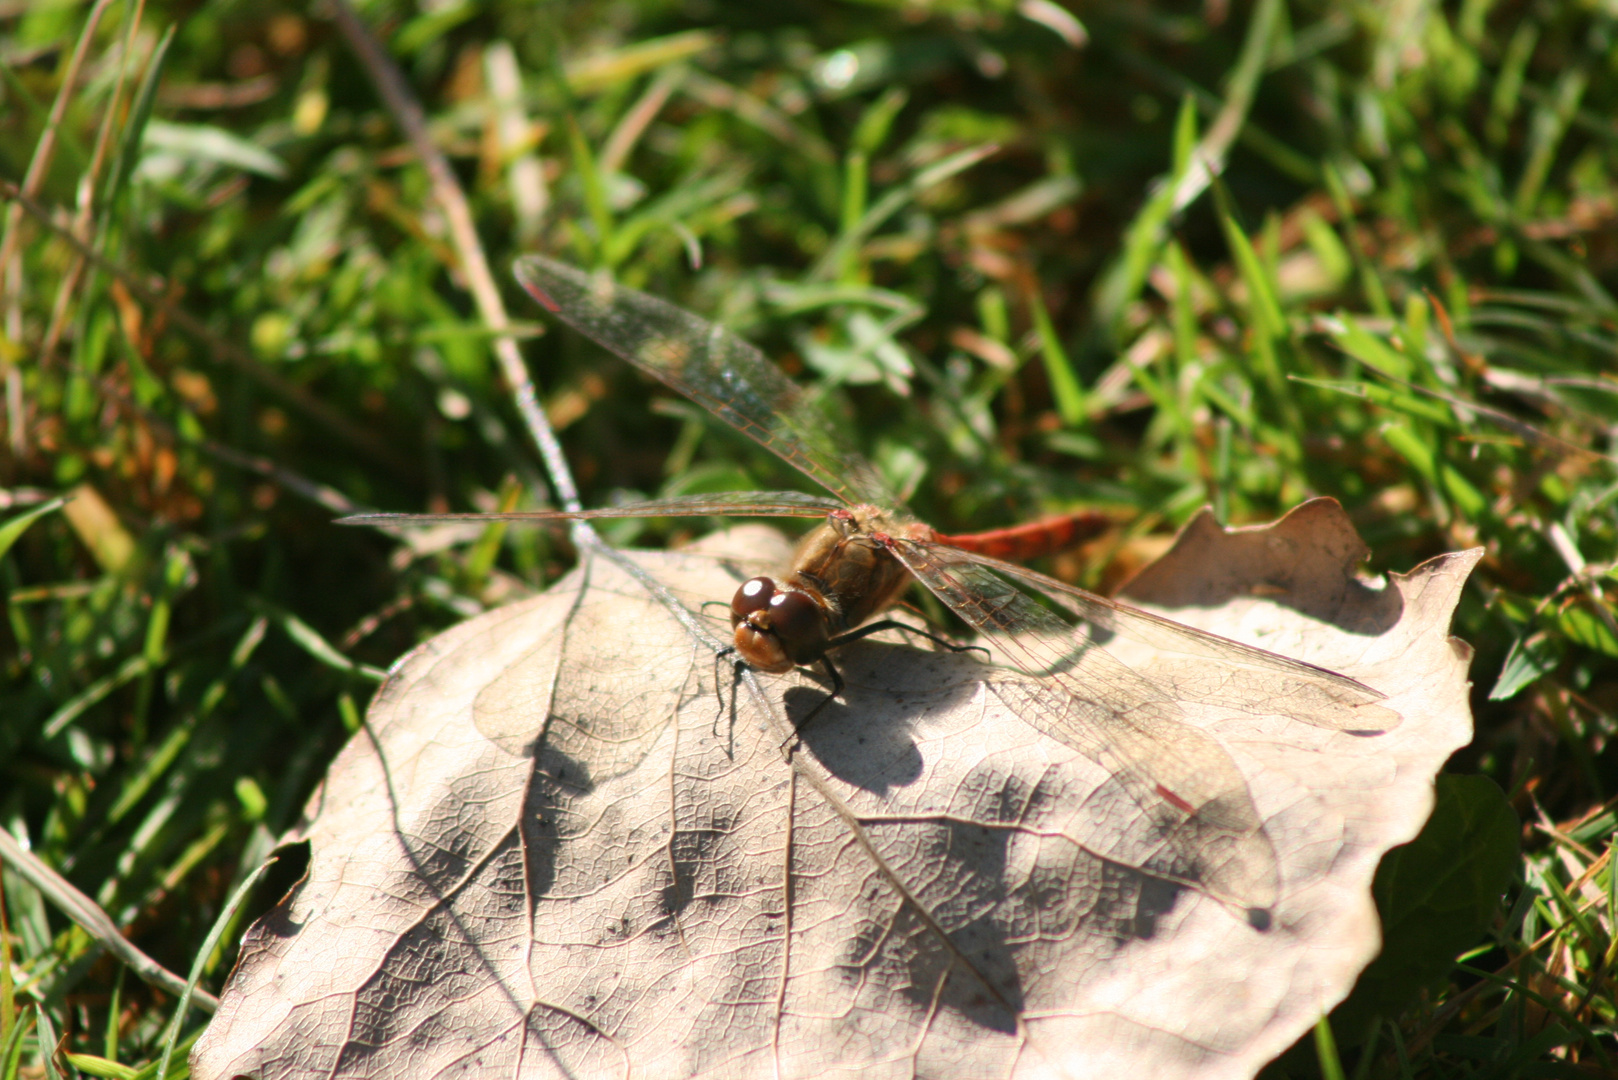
<point>554,852</point>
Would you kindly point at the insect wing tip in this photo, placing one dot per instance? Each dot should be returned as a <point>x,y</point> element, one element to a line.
<point>530,271</point>
<point>542,296</point>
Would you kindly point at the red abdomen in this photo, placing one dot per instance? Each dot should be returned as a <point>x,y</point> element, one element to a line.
<point>1022,542</point>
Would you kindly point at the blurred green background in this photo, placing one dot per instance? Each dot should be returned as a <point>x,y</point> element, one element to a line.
<point>1136,256</point>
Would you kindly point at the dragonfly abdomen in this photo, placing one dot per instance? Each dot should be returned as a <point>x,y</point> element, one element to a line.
<point>1022,542</point>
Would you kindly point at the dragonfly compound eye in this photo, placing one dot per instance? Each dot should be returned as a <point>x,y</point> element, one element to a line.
<point>754,595</point>
<point>799,624</point>
<point>777,630</point>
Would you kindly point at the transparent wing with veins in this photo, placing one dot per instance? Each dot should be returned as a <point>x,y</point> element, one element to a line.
<point>720,504</point>
<point>1238,676</point>
<point>711,366</point>
<point>1198,824</point>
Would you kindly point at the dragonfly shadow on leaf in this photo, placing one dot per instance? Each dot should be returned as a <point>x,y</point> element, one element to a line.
<point>868,737</point>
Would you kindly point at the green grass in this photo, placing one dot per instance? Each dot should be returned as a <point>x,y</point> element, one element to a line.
<point>1008,258</point>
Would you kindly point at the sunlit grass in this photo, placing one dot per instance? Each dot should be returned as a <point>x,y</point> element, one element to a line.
<point>1231,257</point>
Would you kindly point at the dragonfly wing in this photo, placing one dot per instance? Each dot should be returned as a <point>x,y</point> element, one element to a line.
<point>719,504</point>
<point>1198,824</point>
<point>1193,821</point>
<point>1232,675</point>
<point>708,364</point>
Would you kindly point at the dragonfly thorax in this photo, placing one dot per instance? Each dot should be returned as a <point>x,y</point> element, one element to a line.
<point>850,563</point>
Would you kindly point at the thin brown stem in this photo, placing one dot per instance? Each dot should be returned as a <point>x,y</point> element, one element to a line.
<point>474,265</point>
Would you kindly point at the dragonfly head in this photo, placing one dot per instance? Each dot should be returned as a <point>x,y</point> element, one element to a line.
<point>777,629</point>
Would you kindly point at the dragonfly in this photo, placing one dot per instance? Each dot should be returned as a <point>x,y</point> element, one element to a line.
<point>1201,827</point>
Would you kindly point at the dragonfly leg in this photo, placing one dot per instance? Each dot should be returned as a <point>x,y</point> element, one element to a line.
<point>893,624</point>
<point>867,630</point>
<point>837,687</point>
<point>736,667</point>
